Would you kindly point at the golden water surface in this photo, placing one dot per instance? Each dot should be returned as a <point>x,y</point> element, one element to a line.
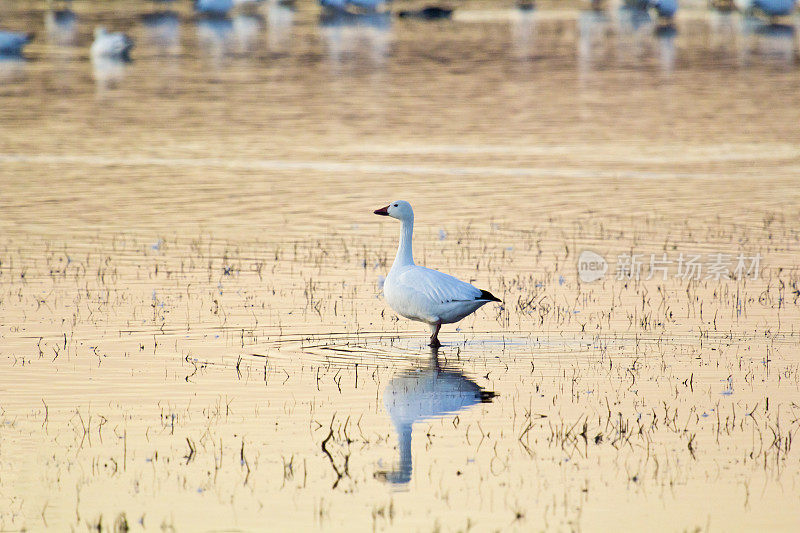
<point>192,335</point>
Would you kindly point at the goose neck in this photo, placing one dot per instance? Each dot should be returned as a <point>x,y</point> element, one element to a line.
<point>405,254</point>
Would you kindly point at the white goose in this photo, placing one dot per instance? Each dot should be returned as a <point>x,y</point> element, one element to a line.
<point>423,294</point>
<point>111,45</point>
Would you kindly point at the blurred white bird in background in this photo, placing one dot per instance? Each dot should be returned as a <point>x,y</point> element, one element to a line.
<point>111,45</point>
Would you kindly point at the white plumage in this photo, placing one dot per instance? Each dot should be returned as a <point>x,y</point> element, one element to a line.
<point>111,45</point>
<point>422,294</point>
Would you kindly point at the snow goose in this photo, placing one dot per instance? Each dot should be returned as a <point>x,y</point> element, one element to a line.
<point>423,294</point>
<point>111,45</point>
<point>213,8</point>
<point>771,8</point>
<point>12,43</point>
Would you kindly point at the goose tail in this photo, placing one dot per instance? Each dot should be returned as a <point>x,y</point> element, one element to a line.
<point>486,396</point>
<point>488,296</point>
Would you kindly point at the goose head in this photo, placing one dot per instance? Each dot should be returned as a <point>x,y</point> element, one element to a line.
<point>400,209</point>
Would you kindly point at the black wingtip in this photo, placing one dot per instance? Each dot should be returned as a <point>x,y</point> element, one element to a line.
<point>487,396</point>
<point>486,295</point>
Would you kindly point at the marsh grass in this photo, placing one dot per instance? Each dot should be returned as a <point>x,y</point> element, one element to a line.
<point>251,370</point>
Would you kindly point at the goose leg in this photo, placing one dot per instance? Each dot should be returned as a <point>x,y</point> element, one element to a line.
<point>435,335</point>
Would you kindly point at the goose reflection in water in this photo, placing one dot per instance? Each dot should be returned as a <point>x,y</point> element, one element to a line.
<point>429,391</point>
<point>108,73</point>
<point>768,42</point>
<point>162,29</point>
<point>215,38</point>
<point>641,36</point>
<point>12,69</point>
<point>280,18</point>
<point>594,28</point>
<point>248,30</point>
<point>349,35</point>
<point>723,30</point>
<point>524,31</point>
<point>61,26</point>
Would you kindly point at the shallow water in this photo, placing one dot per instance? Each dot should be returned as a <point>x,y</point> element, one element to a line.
<point>192,330</point>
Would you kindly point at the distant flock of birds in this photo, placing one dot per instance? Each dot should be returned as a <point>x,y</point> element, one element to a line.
<point>117,46</point>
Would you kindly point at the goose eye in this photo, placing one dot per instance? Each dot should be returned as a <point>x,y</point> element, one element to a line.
<point>395,205</point>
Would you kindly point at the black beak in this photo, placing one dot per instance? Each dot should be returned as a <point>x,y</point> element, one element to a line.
<point>382,211</point>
